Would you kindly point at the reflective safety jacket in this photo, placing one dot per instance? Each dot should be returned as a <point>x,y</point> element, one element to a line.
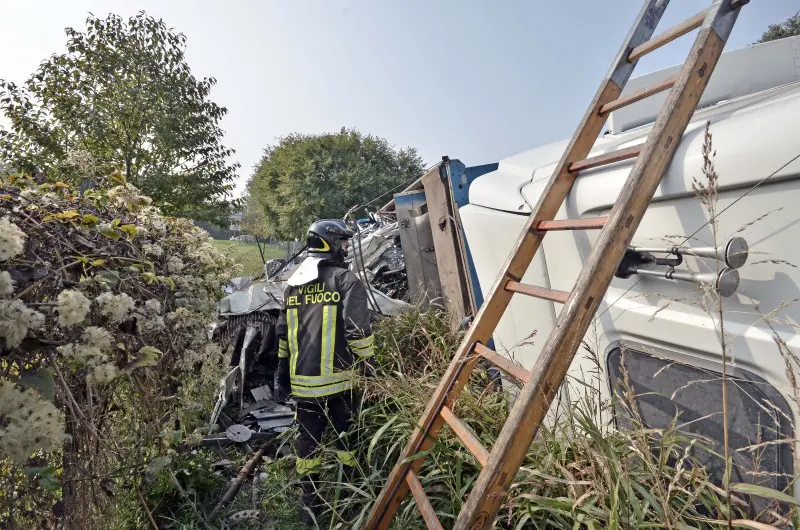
<point>324,329</point>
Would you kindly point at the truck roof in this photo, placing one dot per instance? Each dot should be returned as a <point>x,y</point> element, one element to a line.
<point>745,81</point>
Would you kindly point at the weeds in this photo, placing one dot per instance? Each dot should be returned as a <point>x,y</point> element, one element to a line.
<point>579,473</point>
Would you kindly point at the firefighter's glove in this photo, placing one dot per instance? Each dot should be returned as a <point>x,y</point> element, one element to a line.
<point>282,386</point>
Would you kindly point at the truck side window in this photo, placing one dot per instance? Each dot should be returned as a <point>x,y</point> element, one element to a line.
<point>758,414</point>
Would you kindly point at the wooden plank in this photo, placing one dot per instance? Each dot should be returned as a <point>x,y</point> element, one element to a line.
<point>461,246</point>
<point>452,276</point>
<point>417,241</point>
<point>588,223</point>
<point>466,436</point>
<point>558,352</point>
<point>638,95</point>
<point>497,299</point>
<point>424,505</point>
<point>608,158</point>
<point>538,292</point>
<point>668,36</point>
<point>507,365</point>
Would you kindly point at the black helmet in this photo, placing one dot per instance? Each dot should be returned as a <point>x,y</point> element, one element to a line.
<point>324,238</point>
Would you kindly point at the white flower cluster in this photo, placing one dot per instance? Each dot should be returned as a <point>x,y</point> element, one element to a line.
<point>152,307</point>
<point>128,196</point>
<point>152,250</point>
<point>151,219</point>
<point>93,352</point>
<point>28,424</point>
<point>150,319</point>
<point>6,284</point>
<point>114,306</point>
<point>208,256</point>
<point>29,194</point>
<point>175,264</point>
<point>48,199</point>
<point>212,352</point>
<point>16,319</point>
<point>180,318</point>
<point>97,337</point>
<point>12,239</point>
<point>102,374</point>
<point>189,233</point>
<point>73,307</point>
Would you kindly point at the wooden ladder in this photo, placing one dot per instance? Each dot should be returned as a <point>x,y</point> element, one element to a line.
<point>500,465</point>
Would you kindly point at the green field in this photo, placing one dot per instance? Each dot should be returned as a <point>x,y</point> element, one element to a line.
<point>247,254</point>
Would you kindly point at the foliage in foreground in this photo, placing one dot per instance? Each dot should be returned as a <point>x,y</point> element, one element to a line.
<point>105,362</point>
<point>579,473</point>
<point>123,96</point>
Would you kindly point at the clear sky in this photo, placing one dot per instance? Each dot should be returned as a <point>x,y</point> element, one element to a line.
<point>475,80</point>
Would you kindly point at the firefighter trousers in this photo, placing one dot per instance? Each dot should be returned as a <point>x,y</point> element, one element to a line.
<point>313,417</point>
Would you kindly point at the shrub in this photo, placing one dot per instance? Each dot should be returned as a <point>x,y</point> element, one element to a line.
<point>105,357</point>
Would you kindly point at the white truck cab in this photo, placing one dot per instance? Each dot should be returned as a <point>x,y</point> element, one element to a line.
<point>665,330</point>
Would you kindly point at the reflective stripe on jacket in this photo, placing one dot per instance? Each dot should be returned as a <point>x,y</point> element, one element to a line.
<point>323,329</point>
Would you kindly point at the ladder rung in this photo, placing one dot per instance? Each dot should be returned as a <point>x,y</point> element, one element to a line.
<point>573,224</point>
<point>638,95</point>
<point>424,505</point>
<point>537,292</point>
<point>608,158</point>
<point>465,435</point>
<point>668,36</point>
<point>505,364</point>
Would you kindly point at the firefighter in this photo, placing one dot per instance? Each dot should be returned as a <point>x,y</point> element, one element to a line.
<point>324,342</point>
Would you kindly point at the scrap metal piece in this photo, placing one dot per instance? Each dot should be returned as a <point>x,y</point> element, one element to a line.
<point>244,515</point>
<point>249,335</point>
<point>272,423</point>
<point>238,433</point>
<point>226,388</point>
<point>262,393</point>
<point>271,411</point>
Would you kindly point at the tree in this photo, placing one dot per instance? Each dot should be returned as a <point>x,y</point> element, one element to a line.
<point>788,28</point>
<point>308,177</point>
<point>123,97</point>
<point>253,218</point>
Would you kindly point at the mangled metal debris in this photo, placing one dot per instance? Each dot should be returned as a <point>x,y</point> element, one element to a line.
<point>238,433</point>
<point>262,393</point>
<point>246,328</point>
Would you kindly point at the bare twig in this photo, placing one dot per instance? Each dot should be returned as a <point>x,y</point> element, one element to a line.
<point>234,488</point>
<point>146,509</point>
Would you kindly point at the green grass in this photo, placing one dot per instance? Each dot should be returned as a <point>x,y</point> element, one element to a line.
<point>247,254</point>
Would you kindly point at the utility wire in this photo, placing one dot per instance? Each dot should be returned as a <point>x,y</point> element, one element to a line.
<point>742,196</point>
<point>404,185</point>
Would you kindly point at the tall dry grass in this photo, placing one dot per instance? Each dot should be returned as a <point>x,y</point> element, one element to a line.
<point>580,472</point>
